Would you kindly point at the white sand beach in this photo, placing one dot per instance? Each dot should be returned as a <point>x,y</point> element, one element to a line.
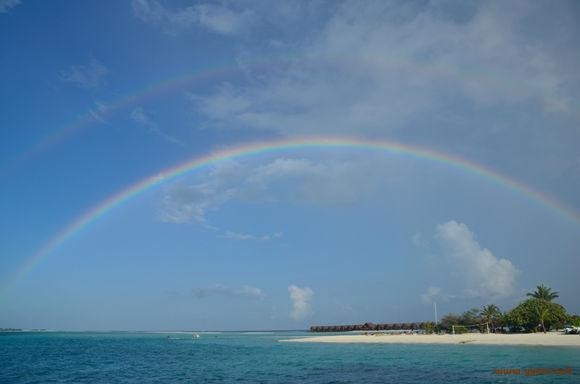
<point>545,339</point>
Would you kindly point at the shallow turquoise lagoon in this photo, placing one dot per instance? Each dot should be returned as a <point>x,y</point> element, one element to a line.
<point>235,357</point>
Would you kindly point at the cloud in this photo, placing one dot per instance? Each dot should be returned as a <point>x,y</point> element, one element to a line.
<point>139,116</point>
<point>217,18</point>
<point>245,236</point>
<point>436,294</point>
<point>6,5</point>
<point>98,113</point>
<point>183,203</point>
<point>222,290</point>
<point>474,78</point>
<point>484,274</point>
<point>381,66</point>
<point>289,180</point>
<point>419,240</point>
<point>301,301</point>
<point>431,295</point>
<point>85,76</point>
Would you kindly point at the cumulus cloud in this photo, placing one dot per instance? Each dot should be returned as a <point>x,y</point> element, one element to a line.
<point>484,274</point>
<point>217,18</point>
<point>85,76</point>
<point>223,290</point>
<point>139,116</point>
<point>6,5</point>
<point>301,301</point>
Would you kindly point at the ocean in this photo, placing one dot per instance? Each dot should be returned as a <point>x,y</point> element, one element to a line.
<point>238,357</point>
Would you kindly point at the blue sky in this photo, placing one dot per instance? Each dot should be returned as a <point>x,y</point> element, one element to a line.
<point>97,96</point>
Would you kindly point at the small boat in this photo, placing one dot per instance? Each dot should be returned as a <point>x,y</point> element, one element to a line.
<point>195,336</point>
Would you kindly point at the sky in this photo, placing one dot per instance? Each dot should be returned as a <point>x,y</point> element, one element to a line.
<point>134,196</point>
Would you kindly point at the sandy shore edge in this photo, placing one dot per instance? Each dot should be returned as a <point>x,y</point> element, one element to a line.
<point>539,339</point>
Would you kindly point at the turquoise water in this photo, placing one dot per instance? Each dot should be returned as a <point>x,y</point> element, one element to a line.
<point>260,358</point>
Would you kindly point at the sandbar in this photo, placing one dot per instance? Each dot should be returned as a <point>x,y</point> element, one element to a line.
<point>538,339</point>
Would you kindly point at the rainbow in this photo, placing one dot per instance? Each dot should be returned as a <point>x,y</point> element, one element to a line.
<point>111,107</point>
<point>172,173</point>
<point>163,87</point>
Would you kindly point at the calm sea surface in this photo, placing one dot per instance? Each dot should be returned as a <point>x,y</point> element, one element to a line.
<point>260,358</point>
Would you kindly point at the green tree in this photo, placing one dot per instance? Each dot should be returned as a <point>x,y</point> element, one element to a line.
<point>535,313</point>
<point>473,316</point>
<point>430,327</point>
<point>491,314</point>
<point>544,293</point>
<point>448,320</point>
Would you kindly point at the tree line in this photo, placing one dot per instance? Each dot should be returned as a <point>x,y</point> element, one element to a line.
<point>538,313</point>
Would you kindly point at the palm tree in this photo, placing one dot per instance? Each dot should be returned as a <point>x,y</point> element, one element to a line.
<point>544,293</point>
<point>543,313</point>
<point>491,314</point>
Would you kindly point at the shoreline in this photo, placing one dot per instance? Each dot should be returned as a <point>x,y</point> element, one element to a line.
<point>530,339</point>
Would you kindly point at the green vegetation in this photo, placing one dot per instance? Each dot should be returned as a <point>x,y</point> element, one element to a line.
<point>491,315</point>
<point>431,327</point>
<point>466,321</point>
<point>460,322</point>
<point>543,293</point>
<point>538,313</point>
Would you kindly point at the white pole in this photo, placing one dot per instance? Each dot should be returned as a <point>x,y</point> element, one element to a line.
<point>435,305</point>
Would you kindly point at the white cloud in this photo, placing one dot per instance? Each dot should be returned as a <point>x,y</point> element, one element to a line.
<point>142,118</point>
<point>301,301</point>
<point>184,203</point>
<point>99,112</point>
<point>6,5</point>
<point>379,66</point>
<point>222,290</point>
<point>246,236</point>
<point>436,294</point>
<point>86,76</point>
<point>284,179</point>
<point>419,240</point>
<point>222,20</point>
<point>217,18</point>
<point>484,274</point>
<point>432,294</point>
<point>138,115</point>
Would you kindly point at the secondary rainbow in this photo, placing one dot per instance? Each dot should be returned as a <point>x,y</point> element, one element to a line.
<point>169,174</point>
<point>132,99</point>
<point>151,91</point>
<point>176,82</point>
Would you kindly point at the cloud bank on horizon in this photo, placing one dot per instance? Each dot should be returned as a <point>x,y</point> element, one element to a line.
<point>493,82</point>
